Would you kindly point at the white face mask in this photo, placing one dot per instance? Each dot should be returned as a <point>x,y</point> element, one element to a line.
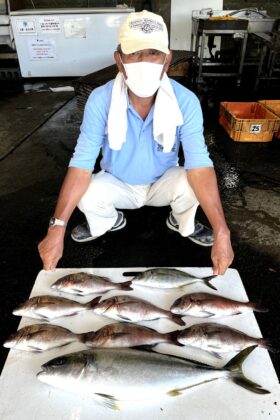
<point>143,78</point>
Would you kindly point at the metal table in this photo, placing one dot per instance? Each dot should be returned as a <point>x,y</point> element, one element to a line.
<point>226,24</point>
<point>203,27</point>
<point>269,62</point>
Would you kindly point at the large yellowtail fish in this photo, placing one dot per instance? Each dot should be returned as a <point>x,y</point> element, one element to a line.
<point>111,376</point>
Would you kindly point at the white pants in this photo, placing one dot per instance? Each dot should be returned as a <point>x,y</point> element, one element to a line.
<point>106,193</point>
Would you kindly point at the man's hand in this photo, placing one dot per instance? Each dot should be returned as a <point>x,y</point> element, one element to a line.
<point>73,188</point>
<point>222,254</point>
<point>204,184</point>
<point>51,247</point>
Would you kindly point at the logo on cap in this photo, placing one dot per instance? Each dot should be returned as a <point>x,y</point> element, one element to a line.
<point>146,25</point>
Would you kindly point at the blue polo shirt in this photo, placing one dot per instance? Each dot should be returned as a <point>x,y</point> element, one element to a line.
<point>141,159</point>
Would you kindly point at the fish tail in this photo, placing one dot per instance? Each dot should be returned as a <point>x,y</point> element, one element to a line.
<point>257,307</point>
<point>87,338</point>
<point>172,338</point>
<point>92,304</point>
<point>237,375</point>
<point>126,285</point>
<point>207,281</point>
<point>176,318</point>
<point>272,345</point>
<point>79,337</point>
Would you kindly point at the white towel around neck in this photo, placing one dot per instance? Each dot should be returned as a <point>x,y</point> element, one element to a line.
<point>167,115</point>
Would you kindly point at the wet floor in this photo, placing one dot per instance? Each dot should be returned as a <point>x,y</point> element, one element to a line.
<point>38,132</point>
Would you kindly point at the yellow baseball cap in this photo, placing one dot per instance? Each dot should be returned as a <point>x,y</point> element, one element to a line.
<point>143,30</point>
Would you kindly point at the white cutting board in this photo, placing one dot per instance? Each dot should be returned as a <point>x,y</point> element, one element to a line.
<point>23,397</point>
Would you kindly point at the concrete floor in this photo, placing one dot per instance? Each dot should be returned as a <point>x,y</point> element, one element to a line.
<point>38,131</point>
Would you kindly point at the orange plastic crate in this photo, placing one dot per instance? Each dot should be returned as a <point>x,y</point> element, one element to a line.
<point>248,121</point>
<point>273,106</point>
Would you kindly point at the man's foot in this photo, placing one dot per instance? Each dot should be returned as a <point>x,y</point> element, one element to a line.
<point>81,233</point>
<point>202,235</point>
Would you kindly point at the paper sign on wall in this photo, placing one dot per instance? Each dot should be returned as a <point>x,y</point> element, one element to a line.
<point>75,28</point>
<point>25,26</point>
<point>42,49</point>
<point>50,25</point>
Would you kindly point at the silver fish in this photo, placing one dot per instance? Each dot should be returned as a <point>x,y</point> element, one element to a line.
<point>50,307</point>
<point>82,284</point>
<point>111,376</point>
<point>132,309</point>
<point>204,305</point>
<point>124,334</point>
<point>167,278</point>
<point>41,337</point>
<point>219,338</point>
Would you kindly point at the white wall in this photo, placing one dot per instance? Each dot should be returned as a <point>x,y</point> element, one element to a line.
<point>181,20</point>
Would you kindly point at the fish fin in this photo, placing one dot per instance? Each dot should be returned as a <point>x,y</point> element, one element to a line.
<point>108,401</point>
<point>176,318</point>
<point>43,317</point>
<point>237,375</point>
<point>125,285</point>
<point>131,273</point>
<point>186,284</point>
<point>272,345</point>
<point>214,347</point>
<point>215,354</point>
<point>78,292</point>
<point>105,278</point>
<point>207,314</point>
<point>207,280</point>
<point>257,307</point>
<point>250,385</point>
<point>92,304</point>
<point>184,359</point>
<point>124,318</point>
<point>174,393</point>
<point>212,352</point>
<point>172,338</point>
<point>35,349</point>
<point>146,347</point>
<point>84,337</point>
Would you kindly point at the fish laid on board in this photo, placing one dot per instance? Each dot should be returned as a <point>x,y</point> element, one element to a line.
<point>132,309</point>
<point>82,284</point>
<point>167,278</point>
<point>42,337</point>
<point>217,338</point>
<point>47,307</point>
<point>204,305</point>
<point>124,334</point>
<point>111,376</point>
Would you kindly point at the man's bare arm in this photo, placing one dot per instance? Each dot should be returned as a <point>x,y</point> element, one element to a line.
<point>204,184</point>
<point>73,188</point>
